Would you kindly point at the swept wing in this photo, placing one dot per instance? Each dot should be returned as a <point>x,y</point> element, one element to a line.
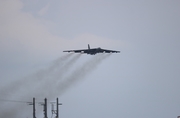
<point>92,51</point>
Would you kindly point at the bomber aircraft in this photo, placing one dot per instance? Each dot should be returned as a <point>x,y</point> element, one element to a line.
<point>92,51</point>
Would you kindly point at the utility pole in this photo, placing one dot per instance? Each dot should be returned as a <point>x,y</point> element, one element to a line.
<point>34,109</point>
<point>45,108</point>
<point>57,108</point>
<point>56,112</point>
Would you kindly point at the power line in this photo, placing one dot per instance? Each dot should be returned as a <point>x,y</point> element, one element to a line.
<point>6,100</point>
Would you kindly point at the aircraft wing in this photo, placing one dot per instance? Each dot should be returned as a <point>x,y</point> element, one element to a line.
<point>109,51</point>
<point>92,51</point>
<point>77,51</point>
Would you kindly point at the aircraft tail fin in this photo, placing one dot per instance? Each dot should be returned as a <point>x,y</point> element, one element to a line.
<point>88,46</point>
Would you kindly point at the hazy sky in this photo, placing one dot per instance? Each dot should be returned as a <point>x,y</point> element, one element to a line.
<point>142,81</point>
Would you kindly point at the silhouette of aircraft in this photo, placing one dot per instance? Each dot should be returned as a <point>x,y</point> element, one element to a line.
<point>92,51</point>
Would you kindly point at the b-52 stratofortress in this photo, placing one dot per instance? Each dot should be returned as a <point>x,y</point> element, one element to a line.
<point>92,51</point>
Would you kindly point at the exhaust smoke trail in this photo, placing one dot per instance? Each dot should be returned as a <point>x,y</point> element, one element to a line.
<point>48,83</point>
<point>43,90</point>
<point>21,88</point>
<point>67,67</point>
<point>80,73</point>
<point>27,82</point>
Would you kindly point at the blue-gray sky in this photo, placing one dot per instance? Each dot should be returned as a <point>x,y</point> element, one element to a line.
<point>141,81</point>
